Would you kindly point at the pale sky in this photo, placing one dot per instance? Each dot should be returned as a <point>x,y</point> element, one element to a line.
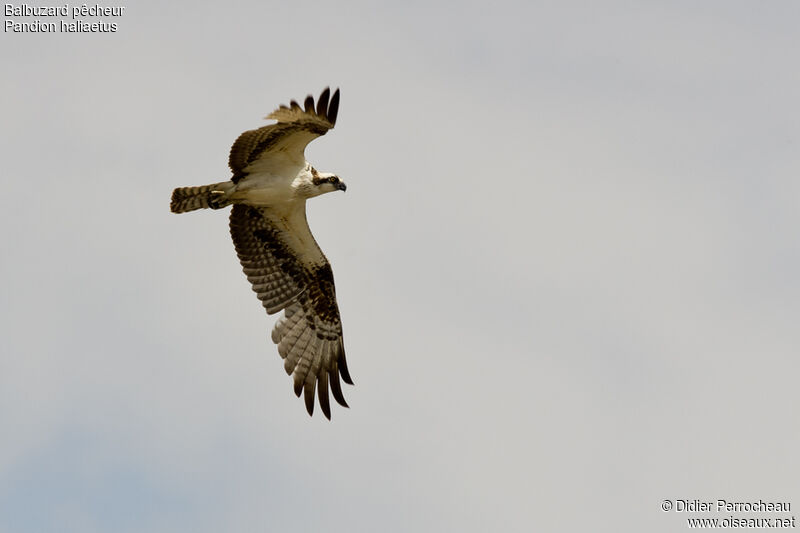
<point>566,261</point>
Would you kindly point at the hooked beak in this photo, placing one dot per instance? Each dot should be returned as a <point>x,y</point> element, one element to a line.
<point>342,187</point>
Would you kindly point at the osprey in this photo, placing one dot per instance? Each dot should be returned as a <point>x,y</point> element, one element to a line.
<point>268,190</point>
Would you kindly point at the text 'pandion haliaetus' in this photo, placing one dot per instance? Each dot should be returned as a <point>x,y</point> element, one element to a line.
<point>268,190</point>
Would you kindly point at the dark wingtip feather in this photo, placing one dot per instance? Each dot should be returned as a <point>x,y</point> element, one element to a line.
<point>322,393</point>
<point>322,103</point>
<point>294,104</point>
<point>343,366</point>
<point>333,108</point>
<point>336,387</point>
<point>298,388</point>
<point>309,104</point>
<point>308,396</point>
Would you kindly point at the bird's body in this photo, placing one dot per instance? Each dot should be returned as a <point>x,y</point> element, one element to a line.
<point>268,190</point>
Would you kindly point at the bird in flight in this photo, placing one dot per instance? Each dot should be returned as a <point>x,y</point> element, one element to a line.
<point>268,190</point>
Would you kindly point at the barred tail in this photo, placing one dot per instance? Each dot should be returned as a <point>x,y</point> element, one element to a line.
<point>190,198</point>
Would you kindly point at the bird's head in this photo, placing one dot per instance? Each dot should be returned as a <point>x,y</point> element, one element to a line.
<point>326,182</point>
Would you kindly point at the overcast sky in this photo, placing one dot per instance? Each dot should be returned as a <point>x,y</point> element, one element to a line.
<point>567,265</point>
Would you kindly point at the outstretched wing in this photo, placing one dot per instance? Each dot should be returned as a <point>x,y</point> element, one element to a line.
<point>286,141</point>
<point>288,271</point>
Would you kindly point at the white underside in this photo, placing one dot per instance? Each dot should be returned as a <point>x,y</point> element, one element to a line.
<point>286,207</point>
<point>267,189</point>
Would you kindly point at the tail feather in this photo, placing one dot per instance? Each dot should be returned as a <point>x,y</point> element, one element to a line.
<point>186,199</point>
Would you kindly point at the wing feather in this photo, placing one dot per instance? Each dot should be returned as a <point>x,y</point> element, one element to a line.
<point>336,386</point>
<point>322,392</point>
<point>322,104</point>
<point>293,344</point>
<point>263,259</point>
<point>299,346</point>
<point>343,362</point>
<point>308,393</point>
<point>285,274</point>
<point>333,108</point>
<point>287,139</point>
